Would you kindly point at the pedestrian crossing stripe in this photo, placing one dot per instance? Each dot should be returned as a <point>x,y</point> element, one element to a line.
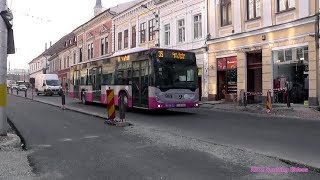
<point>3,95</point>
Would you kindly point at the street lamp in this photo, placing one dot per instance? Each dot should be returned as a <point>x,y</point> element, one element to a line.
<point>156,15</point>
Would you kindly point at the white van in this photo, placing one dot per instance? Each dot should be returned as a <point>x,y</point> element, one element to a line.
<point>47,84</point>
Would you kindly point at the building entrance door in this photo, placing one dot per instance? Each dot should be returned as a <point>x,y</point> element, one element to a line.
<point>254,77</point>
<point>221,85</point>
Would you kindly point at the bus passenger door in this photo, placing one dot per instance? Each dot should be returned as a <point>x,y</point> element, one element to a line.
<point>136,83</point>
<point>96,83</point>
<point>144,74</point>
<point>140,83</point>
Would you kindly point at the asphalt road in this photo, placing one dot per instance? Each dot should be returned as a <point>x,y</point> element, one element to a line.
<point>70,145</point>
<point>288,138</point>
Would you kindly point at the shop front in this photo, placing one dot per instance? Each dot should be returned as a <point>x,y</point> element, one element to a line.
<point>291,75</point>
<point>227,78</point>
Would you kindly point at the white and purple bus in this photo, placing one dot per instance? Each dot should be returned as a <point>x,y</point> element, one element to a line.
<point>146,78</point>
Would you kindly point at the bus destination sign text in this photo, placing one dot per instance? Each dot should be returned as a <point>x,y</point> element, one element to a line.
<point>170,54</point>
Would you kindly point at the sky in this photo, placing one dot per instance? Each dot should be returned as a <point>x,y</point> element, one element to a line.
<point>37,22</point>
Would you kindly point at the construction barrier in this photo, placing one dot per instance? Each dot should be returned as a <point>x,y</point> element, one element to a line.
<point>269,101</point>
<point>110,105</point>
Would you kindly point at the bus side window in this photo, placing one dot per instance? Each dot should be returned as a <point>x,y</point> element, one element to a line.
<point>109,79</point>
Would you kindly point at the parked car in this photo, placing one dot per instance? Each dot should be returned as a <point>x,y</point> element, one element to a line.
<point>22,87</point>
<point>14,86</point>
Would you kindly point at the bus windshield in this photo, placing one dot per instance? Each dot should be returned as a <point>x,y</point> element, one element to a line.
<point>175,74</point>
<point>52,82</point>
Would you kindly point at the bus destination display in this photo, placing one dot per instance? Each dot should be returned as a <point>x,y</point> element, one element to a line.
<point>172,54</point>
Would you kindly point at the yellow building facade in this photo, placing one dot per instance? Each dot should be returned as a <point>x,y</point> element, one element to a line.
<point>258,46</point>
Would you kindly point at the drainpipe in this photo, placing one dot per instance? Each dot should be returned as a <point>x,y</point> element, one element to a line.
<point>317,51</point>
<point>114,38</point>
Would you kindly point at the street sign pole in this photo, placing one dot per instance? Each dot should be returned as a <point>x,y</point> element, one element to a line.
<point>3,72</point>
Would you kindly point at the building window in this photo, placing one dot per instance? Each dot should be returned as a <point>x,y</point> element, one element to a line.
<point>64,62</point>
<point>102,47</point>
<point>291,72</point>
<point>126,39</point>
<point>68,62</point>
<point>197,26</point>
<point>152,32</point>
<point>91,50</point>
<point>133,36</point>
<point>142,32</point>
<point>253,9</point>
<point>181,31</point>
<point>74,57</point>
<point>284,5</point>
<point>167,34</point>
<point>226,14</point>
<point>80,55</point>
<point>119,40</point>
<point>106,45</point>
<point>60,64</point>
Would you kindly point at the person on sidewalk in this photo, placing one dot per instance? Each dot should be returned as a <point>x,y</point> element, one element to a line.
<point>63,99</point>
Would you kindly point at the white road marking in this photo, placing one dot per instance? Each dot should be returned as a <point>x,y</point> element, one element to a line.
<point>44,145</point>
<point>65,140</point>
<point>90,137</point>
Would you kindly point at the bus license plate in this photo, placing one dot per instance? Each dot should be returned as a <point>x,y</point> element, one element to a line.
<point>181,105</point>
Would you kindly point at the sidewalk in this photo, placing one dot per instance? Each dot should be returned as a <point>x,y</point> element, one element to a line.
<point>280,110</point>
<point>14,161</point>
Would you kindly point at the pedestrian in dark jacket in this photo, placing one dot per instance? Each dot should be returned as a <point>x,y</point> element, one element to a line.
<point>63,98</point>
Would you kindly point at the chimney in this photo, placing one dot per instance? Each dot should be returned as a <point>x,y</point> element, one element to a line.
<point>98,8</point>
<point>50,43</point>
<point>46,46</point>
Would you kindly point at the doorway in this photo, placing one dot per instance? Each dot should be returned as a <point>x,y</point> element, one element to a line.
<point>221,85</point>
<point>254,77</point>
<point>200,87</point>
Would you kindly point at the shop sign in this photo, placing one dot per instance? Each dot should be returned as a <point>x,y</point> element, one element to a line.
<point>222,64</point>
<point>232,63</point>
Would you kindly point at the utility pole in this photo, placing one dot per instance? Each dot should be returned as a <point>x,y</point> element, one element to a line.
<point>3,71</point>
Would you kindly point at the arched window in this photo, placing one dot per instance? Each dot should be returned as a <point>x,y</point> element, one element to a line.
<point>226,13</point>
